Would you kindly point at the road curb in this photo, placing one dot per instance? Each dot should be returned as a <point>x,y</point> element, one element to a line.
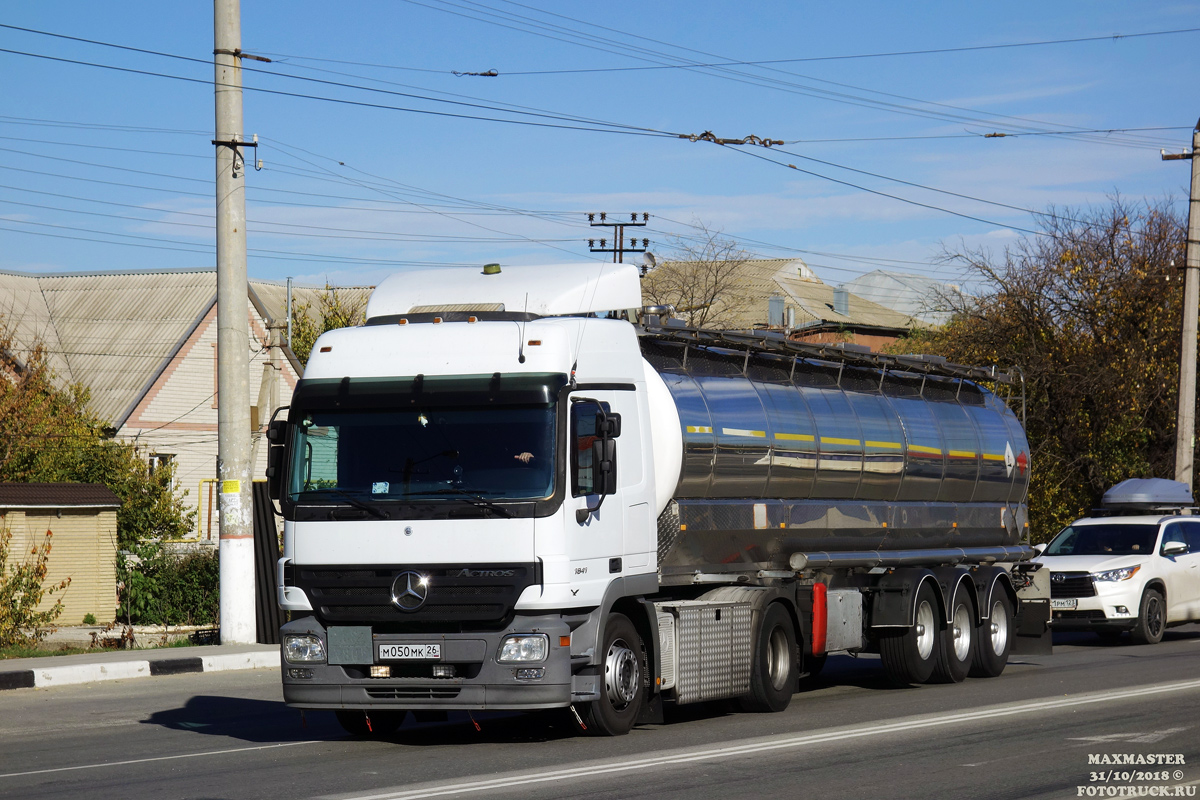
<point>43,676</point>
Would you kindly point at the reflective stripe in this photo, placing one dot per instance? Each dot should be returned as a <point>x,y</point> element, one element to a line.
<point>885,445</point>
<point>961,454</point>
<point>795,437</point>
<point>699,429</point>
<point>992,457</point>
<point>920,448</point>
<point>743,432</point>
<point>835,440</point>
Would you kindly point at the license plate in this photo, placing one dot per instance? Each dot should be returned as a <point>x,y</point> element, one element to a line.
<point>407,652</point>
<point>1066,603</point>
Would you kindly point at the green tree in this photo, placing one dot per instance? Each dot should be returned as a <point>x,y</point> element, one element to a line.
<point>48,434</point>
<point>333,311</point>
<point>1090,314</point>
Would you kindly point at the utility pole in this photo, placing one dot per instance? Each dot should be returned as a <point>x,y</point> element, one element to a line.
<point>618,249</point>
<point>236,548</point>
<point>1185,432</point>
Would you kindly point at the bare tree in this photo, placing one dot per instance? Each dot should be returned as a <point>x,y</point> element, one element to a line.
<point>700,276</point>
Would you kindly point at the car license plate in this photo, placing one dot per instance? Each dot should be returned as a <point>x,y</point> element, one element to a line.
<point>407,652</point>
<point>1065,603</point>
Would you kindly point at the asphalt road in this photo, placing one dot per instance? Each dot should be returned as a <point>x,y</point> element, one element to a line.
<point>1029,734</point>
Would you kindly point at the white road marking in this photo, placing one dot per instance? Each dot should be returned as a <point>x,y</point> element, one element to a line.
<point>770,743</point>
<point>157,758</point>
<point>1143,738</point>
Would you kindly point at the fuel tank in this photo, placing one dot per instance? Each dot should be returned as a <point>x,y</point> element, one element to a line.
<point>831,450</point>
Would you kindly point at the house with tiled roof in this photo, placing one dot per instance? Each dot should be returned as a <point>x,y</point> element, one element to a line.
<point>144,344</point>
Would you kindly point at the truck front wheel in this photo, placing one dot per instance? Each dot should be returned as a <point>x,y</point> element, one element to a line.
<point>909,654</point>
<point>622,692</point>
<point>773,667</point>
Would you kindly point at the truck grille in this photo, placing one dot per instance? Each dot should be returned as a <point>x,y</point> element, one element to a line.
<point>415,693</point>
<point>1074,584</point>
<point>460,596</point>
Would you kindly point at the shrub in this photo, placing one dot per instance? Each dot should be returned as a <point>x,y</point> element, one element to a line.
<point>21,591</point>
<point>160,588</point>
<point>89,619</point>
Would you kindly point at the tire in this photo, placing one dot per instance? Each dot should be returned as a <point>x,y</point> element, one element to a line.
<point>1152,619</point>
<point>994,637</point>
<point>909,655</point>
<point>957,652</point>
<point>773,669</point>
<point>382,722</point>
<point>813,666</point>
<point>624,672</point>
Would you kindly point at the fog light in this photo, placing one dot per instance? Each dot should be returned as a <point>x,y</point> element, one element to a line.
<point>524,647</point>
<point>530,673</point>
<point>381,671</point>
<point>1122,610</point>
<point>300,674</point>
<point>443,670</point>
<point>303,647</point>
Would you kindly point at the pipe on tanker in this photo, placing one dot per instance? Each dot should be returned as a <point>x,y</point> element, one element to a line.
<point>899,558</point>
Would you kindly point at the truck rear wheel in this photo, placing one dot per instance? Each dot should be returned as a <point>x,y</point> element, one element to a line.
<point>957,652</point>
<point>773,669</point>
<point>622,693</point>
<point>994,638</point>
<point>909,654</point>
<point>370,724</point>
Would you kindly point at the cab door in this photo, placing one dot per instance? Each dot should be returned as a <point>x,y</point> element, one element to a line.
<point>595,544</point>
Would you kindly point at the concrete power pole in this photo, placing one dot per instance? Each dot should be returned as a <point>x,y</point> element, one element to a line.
<point>233,335</point>
<point>1185,433</point>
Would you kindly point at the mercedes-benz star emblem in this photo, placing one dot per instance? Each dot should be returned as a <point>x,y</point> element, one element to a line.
<point>410,590</point>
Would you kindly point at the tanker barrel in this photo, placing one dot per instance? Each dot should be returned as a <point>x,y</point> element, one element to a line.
<point>900,558</point>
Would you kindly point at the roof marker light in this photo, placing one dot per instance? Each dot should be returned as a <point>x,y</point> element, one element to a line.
<point>534,342</point>
<point>491,269</point>
<point>402,321</point>
<point>472,319</point>
<point>437,320</point>
<point>326,349</point>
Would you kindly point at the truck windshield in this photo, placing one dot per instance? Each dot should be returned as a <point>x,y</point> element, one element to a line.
<point>424,454</point>
<point>1108,539</point>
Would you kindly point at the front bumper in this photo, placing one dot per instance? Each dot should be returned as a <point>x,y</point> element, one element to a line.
<point>481,682</point>
<point>1114,607</point>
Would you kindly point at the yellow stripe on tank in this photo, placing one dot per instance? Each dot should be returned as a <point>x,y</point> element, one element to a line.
<point>992,457</point>
<point>835,440</point>
<point>699,429</point>
<point>884,445</point>
<point>961,454</point>
<point>920,448</point>
<point>795,437</point>
<point>744,432</point>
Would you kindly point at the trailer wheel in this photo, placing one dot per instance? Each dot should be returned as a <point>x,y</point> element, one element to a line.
<point>909,654</point>
<point>958,641</point>
<point>994,638</point>
<point>773,669</point>
<point>382,722</point>
<point>621,699</point>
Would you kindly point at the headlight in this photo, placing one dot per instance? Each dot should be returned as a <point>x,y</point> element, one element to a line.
<point>305,647</point>
<point>525,647</point>
<point>1122,574</point>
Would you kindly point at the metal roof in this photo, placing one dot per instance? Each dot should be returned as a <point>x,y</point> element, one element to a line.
<point>116,332</point>
<point>56,495</point>
<point>758,279</point>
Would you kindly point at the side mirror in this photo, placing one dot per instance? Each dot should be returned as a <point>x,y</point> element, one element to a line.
<point>1174,548</point>
<point>608,425</point>
<point>604,460</point>
<point>1039,548</point>
<point>276,435</point>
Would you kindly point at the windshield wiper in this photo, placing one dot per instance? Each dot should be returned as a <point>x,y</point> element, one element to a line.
<point>476,500</point>
<point>352,500</point>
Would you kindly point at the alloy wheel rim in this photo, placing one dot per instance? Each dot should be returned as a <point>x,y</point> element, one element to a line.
<point>999,628</point>
<point>961,632</point>
<point>621,674</point>
<point>925,630</point>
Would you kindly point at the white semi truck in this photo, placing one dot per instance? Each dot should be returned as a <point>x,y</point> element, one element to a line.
<point>514,488</point>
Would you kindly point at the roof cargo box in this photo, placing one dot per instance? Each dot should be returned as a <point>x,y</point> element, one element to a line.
<point>1148,493</point>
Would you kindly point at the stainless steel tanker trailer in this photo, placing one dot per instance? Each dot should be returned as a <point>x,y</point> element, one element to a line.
<point>510,490</point>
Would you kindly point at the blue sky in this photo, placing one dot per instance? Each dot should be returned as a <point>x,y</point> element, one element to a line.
<point>109,170</point>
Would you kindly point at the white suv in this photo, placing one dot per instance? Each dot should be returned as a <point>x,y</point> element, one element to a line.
<point>1118,573</point>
